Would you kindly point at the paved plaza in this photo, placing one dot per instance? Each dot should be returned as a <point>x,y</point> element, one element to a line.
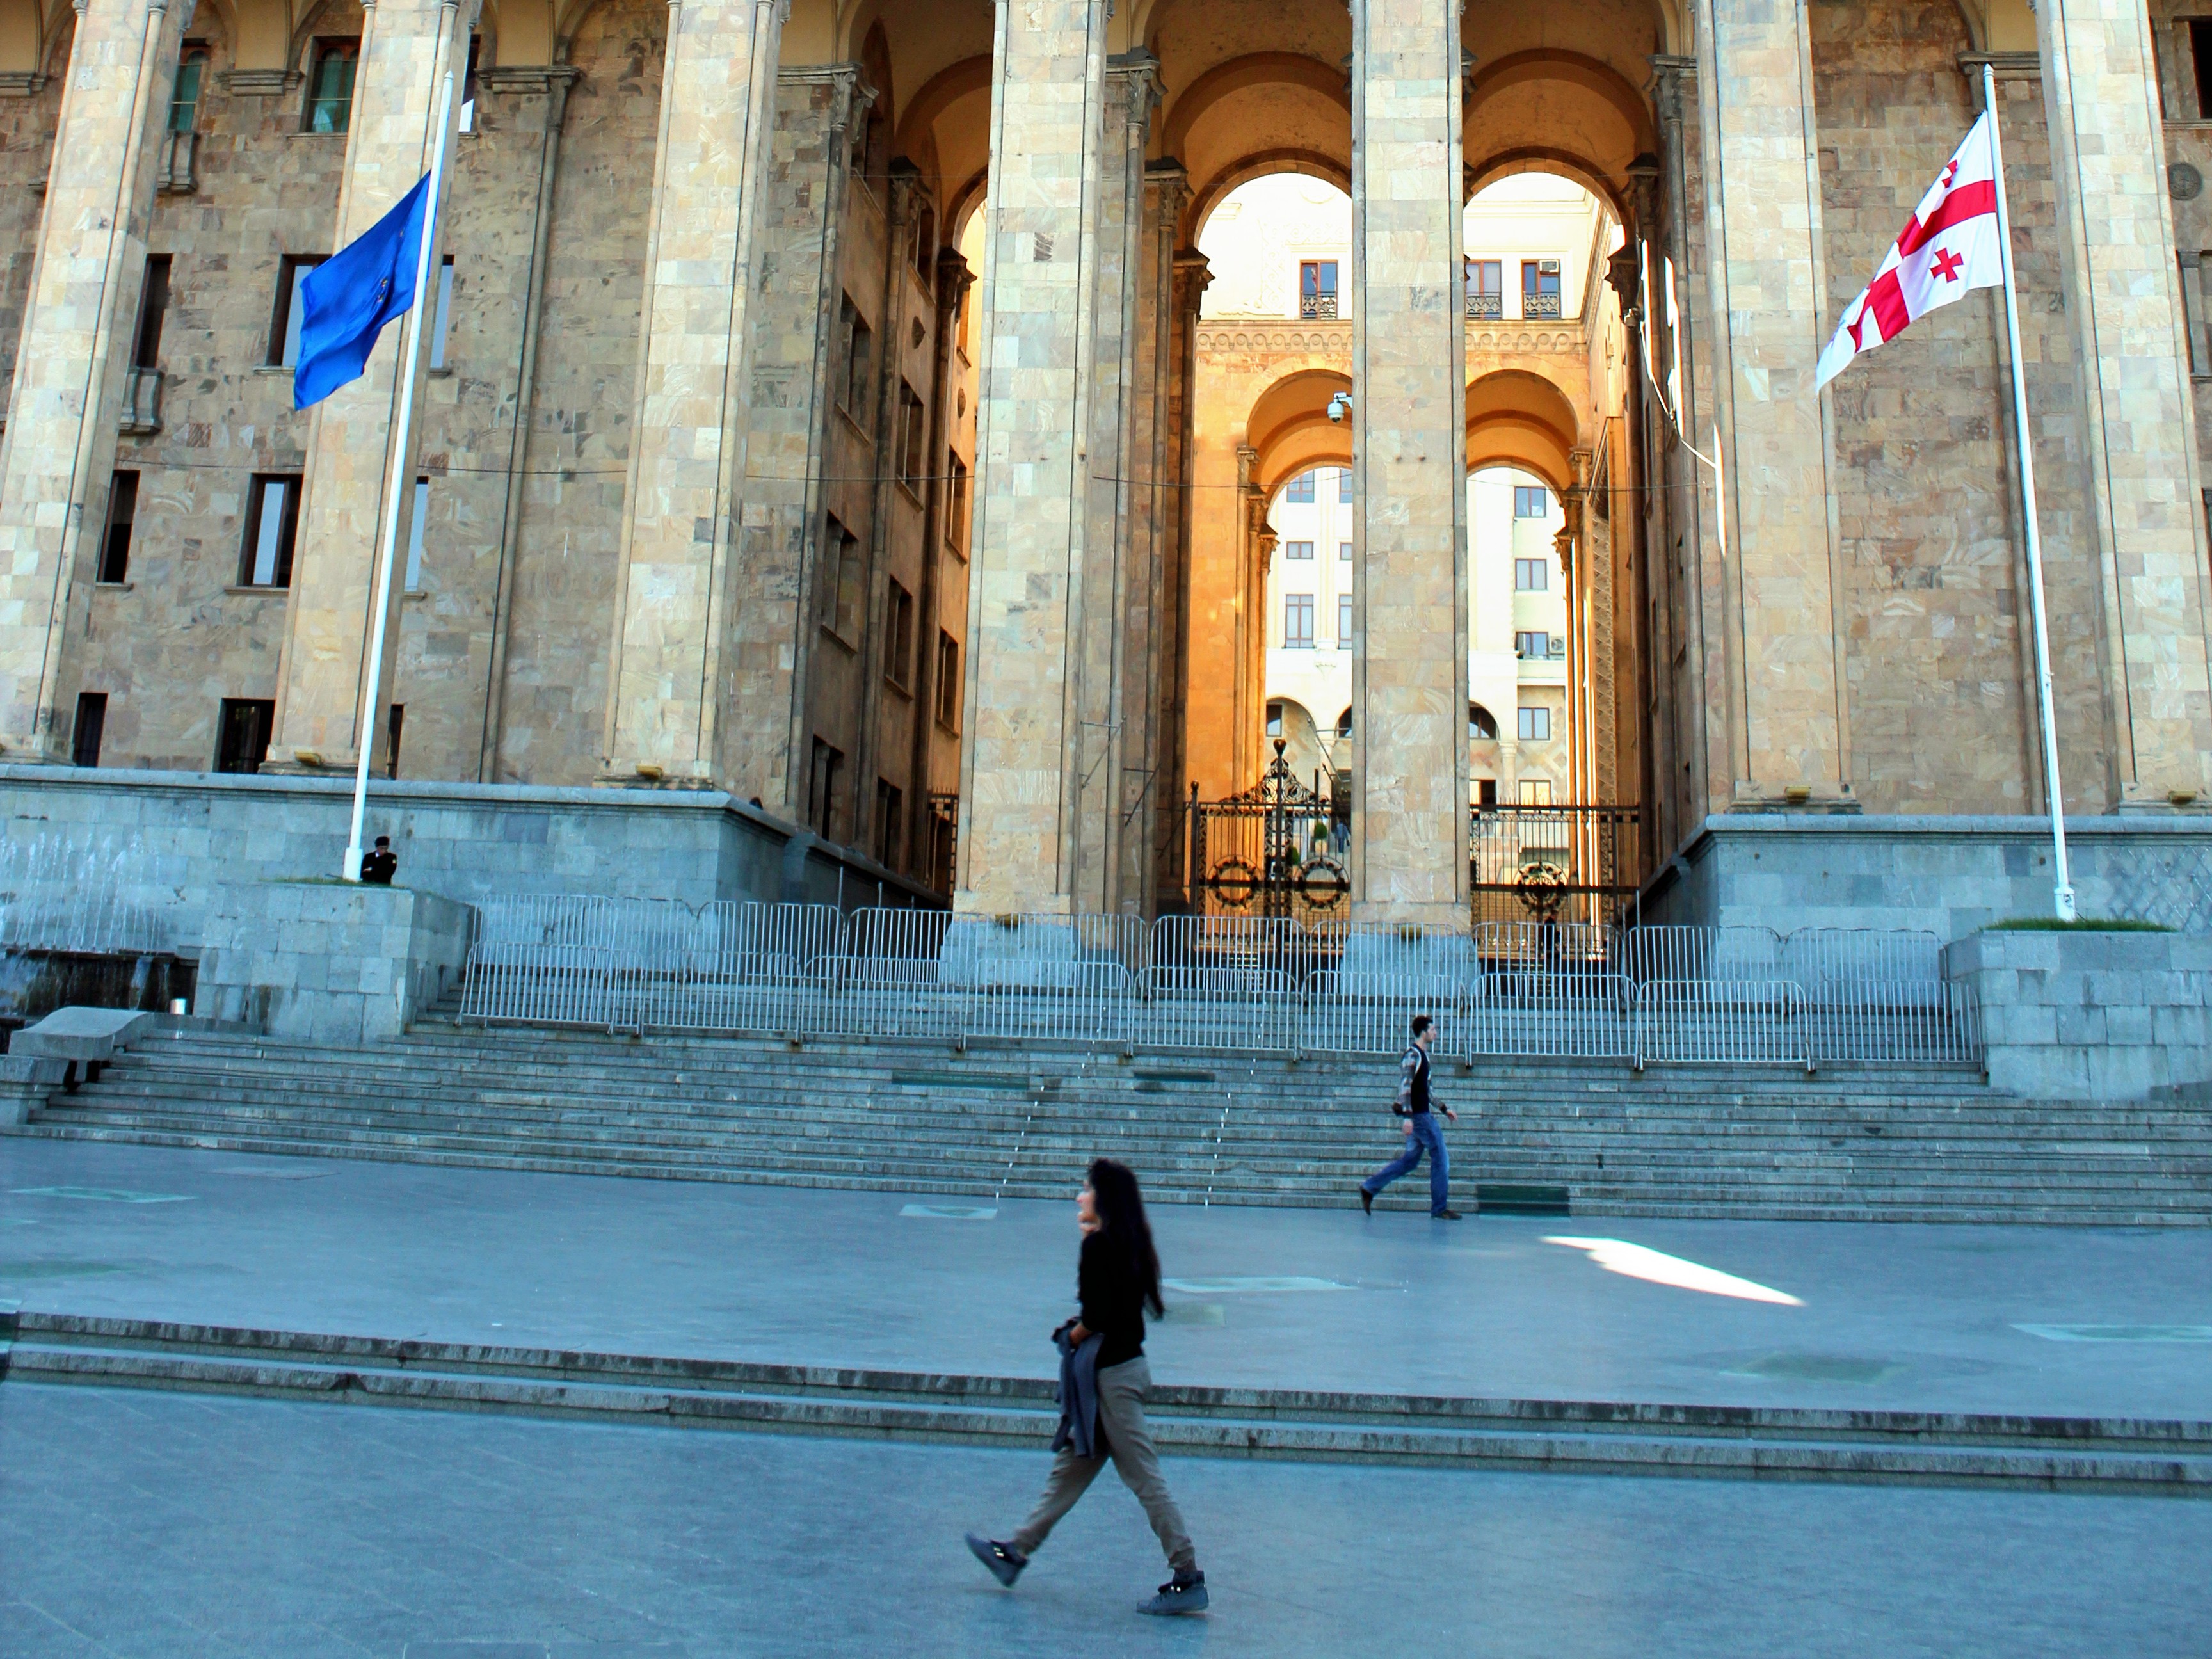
<point>148,1521</point>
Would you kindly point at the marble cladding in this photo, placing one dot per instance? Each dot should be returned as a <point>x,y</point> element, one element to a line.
<point>1409,685</point>
<point>1040,274</point>
<point>57,453</point>
<point>687,482</point>
<point>407,47</point>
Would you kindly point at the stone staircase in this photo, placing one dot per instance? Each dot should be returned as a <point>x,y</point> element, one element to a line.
<point>1851,1143</point>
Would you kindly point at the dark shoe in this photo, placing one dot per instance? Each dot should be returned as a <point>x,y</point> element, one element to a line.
<point>1184,1593</point>
<point>1004,1563</point>
<point>1446,1215</point>
<point>1367,1200</point>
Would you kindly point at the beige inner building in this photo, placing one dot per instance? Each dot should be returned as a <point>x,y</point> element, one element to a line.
<point>825,403</point>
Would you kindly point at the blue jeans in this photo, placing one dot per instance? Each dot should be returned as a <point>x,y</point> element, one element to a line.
<point>1425,1136</point>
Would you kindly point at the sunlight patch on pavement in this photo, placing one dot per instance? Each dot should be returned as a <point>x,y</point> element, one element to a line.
<point>1617,1256</point>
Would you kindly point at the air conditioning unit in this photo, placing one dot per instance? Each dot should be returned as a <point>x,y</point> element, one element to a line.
<point>1549,267</point>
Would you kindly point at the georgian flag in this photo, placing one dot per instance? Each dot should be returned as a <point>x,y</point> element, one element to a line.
<point>1949,245</point>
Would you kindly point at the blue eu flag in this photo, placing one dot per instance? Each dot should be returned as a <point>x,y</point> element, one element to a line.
<point>347,300</point>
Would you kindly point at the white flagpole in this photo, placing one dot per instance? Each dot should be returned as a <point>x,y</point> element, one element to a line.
<point>2061,892</point>
<point>403,435</point>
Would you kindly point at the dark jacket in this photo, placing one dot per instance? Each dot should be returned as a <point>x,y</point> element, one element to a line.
<point>1111,1300</point>
<point>1079,1394</point>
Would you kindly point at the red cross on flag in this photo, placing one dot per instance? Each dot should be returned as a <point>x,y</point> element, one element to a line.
<point>1950,244</point>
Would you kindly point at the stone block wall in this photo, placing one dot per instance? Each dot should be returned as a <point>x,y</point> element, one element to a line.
<point>1940,653</point>
<point>1949,875</point>
<point>27,115</point>
<point>327,962</point>
<point>2090,1016</point>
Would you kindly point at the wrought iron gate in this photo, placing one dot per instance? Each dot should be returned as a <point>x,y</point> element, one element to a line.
<point>1281,849</point>
<point>1552,864</point>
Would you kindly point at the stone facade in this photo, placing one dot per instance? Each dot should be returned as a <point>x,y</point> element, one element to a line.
<point>825,419</point>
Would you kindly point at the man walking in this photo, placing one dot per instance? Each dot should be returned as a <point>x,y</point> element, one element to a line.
<point>1421,1132</point>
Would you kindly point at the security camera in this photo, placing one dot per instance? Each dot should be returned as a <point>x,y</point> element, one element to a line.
<point>1339,405</point>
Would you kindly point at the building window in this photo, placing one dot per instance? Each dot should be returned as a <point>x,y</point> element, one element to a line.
<point>1344,723</point>
<point>272,524</point>
<point>948,681</point>
<point>822,789</point>
<point>859,354</point>
<point>1486,289</point>
<point>1298,550</point>
<point>1298,621</point>
<point>1531,575</point>
<point>1531,501</point>
<point>2200,50</point>
<point>1486,792</point>
<point>416,519</point>
<point>468,117</point>
<point>1343,552</point>
<point>1274,720</point>
<point>1344,621</point>
<point>1317,287</point>
<point>153,312</point>
<point>890,802</point>
<point>184,97</point>
<point>395,721</point>
<point>330,87</point>
<point>841,589</point>
<point>284,327</point>
<point>956,507</point>
<point>444,314</point>
<point>1535,792</point>
<point>1300,489</point>
<point>91,725</point>
<point>913,433</point>
<point>1536,725</point>
<point>1529,644</point>
<point>122,518</point>
<point>1540,288</point>
<point>899,663</point>
<point>242,727</point>
<point>1344,486</point>
<point>1481,723</point>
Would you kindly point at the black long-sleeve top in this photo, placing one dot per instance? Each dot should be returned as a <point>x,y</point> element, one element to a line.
<point>1111,1302</point>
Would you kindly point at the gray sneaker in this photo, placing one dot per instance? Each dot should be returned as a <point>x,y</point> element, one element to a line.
<point>1184,1593</point>
<point>1003,1561</point>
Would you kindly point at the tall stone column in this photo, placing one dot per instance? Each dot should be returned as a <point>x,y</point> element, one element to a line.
<point>2138,418</point>
<point>1790,732</point>
<point>1409,463</point>
<point>1040,284</point>
<point>322,680</point>
<point>1153,504</point>
<point>59,452</point>
<point>1112,702</point>
<point>1192,275</point>
<point>670,656</point>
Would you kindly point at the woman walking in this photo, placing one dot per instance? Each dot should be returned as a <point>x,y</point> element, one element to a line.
<point>1117,1277</point>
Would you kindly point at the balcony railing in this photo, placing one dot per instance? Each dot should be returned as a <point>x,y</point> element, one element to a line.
<point>141,402</point>
<point>1316,305</point>
<point>1485,307</point>
<point>1540,306</point>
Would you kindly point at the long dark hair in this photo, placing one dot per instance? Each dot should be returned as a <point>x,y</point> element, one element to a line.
<point>1122,1224</point>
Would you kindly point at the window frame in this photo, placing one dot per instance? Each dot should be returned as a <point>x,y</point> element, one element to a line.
<point>92,722</point>
<point>1298,606</point>
<point>121,527</point>
<point>1300,490</point>
<point>1532,576</point>
<point>956,506</point>
<point>950,690</point>
<point>898,615</point>
<point>228,713</point>
<point>292,269</point>
<point>195,56</point>
<point>155,289</point>
<point>331,48</point>
<point>1345,625</point>
<point>1540,493</point>
<point>1527,717</point>
<point>1291,551</point>
<point>417,519</point>
<point>288,533</point>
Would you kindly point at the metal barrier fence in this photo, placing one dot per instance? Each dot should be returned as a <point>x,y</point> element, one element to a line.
<point>1646,995</point>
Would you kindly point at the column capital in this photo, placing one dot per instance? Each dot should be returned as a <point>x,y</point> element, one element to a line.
<point>954,279</point>
<point>1671,76</point>
<point>1193,276</point>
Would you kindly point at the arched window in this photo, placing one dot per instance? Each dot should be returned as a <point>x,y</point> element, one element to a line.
<point>1481,723</point>
<point>1344,723</point>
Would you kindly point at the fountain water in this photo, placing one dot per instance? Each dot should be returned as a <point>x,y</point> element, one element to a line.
<point>84,893</point>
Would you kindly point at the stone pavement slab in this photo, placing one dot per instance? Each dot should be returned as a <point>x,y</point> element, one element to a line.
<point>160,1526</point>
<point>2054,1321</point>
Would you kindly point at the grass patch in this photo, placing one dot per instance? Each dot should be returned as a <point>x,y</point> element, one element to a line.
<point>2084,925</point>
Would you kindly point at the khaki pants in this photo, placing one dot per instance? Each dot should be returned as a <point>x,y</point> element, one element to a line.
<point>1121,1415</point>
